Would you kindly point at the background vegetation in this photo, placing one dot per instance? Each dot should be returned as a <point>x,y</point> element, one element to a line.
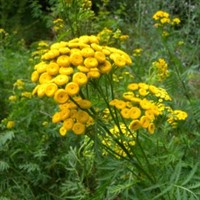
<point>37,163</point>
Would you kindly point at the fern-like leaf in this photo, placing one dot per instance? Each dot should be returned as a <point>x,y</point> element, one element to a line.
<point>6,136</point>
<point>3,165</point>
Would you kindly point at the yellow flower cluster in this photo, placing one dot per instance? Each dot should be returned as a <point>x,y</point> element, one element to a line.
<point>161,68</point>
<point>137,52</point>
<point>175,116</point>
<point>10,124</point>
<point>86,4</point>
<point>163,18</point>
<point>74,116</point>
<point>58,24</point>
<point>3,32</point>
<point>19,84</point>
<point>123,136</point>
<point>26,94</point>
<point>12,98</point>
<point>68,66</point>
<point>41,49</point>
<point>107,36</point>
<point>142,104</point>
<point>7,123</point>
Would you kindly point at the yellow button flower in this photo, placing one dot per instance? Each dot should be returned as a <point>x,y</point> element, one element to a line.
<point>44,78</point>
<point>151,128</point>
<point>61,96</point>
<point>62,131</point>
<point>91,62</point>
<point>125,112</point>
<point>64,50</point>
<point>119,104</point>
<point>84,104</point>
<point>80,78</point>
<point>61,79</point>
<point>41,67</point>
<point>143,92</point>
<point>64,113</point>
<point>68,123</point>
<point>41,90</point>
<point>145,104</point>
<point>145,121</point>
<point>119,61</point>
<point>78,128</point>
<point>83,68</point>
<point>10,124</point>
<point>87,52</point>
<point>100,56</point>
<point>134,112</point>
<point>135,125</point>
<point>12,98</point>
<point>76,59</point>
<point>82,116</point>
<point>53,68</point>
<point>96,47</point>
<point>66,70</point>
<point>105,67</point>
<point>63,61</point>
<point>50,89</point>
<point>93,74</point>
<point>34,76</point>
<point>133,86</point>
<point>72,88</point>
<point>56,117</point>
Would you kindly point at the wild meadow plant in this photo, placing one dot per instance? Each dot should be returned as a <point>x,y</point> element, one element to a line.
<point>101,125</point>
<point>79,76</point>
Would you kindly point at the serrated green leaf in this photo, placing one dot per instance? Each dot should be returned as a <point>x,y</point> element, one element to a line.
<point>194,186</point>
<point>167,189</point>
<point>3,165</point>
<point>6,136</point>
<point>118,188</point>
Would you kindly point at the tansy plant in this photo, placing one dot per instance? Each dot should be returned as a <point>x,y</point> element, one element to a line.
<point>164,21</point>
<point>78,75</point>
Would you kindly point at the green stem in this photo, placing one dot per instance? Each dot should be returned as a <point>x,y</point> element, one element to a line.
<point>145,157</point>
<point>115,118</point>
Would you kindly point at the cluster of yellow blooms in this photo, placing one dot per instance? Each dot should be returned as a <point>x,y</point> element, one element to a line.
<point>142,104</point>
<point>163,18</point>
<point>10,124</point>
<point>3,32</point>
<point>107,36</point>
<point>20,86</point>
<point>86,4</point>
<point>74,116</point>
<point>161,68</point>
<point>175,116</point>
<point>125,137</point>
<point>66,68</point>
<point>41,49</point>
<point>137,52</point>
<point>58,24</point>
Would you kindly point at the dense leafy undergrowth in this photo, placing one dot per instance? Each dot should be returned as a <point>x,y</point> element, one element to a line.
<point>104,104</point>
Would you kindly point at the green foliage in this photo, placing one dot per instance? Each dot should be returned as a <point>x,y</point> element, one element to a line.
<point>26,19</point>
<point>37,163</point>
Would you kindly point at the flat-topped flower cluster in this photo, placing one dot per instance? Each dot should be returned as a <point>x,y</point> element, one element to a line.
<point>67,67</point>
<point>162,18</point>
